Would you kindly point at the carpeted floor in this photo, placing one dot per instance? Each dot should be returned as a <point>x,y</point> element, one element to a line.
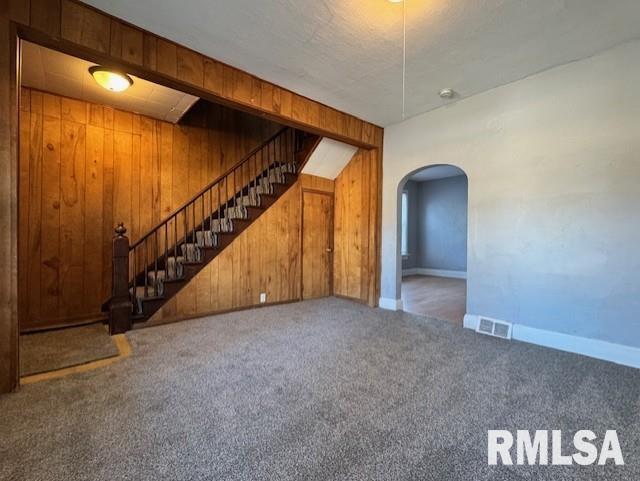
<point>50,350</point>
<point>319,390</point>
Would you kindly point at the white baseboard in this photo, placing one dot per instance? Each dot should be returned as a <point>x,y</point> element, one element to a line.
<point>390,304</point>
<point>423,271</point>
<point>470,321</point>
<point>607,351</point>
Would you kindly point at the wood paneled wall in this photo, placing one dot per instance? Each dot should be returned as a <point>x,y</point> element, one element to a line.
<point>356,228</point>
<point>76,28</point>
<point>83,168</point>
<point>264,258</point>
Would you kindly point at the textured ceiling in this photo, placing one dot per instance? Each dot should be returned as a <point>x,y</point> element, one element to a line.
<point>348,53</point>
<point>62,74</point>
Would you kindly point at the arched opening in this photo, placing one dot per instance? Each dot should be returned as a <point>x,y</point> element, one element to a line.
<point>432,236</point>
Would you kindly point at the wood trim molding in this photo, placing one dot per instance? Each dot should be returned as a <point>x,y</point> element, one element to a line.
<point>124,351</point>
<point>8,203</point>
<point>331,195</point>
<point>84,31</point>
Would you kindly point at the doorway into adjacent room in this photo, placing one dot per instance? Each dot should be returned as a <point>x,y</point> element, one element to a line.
<point>433,242</point>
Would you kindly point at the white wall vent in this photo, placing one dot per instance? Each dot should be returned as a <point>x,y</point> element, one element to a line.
<point>493,327</point>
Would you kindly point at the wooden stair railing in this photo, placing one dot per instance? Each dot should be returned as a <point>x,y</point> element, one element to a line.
<point>156,267</point>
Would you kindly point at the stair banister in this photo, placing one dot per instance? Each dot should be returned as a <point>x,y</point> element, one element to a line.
<point>120,305</point>
<point>219,179</point>
<point>188,234</point>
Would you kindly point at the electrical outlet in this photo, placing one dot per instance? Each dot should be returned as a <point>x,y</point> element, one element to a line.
<point>263,297</point>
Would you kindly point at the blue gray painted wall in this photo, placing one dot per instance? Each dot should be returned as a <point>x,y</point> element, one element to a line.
<point>442,224</point>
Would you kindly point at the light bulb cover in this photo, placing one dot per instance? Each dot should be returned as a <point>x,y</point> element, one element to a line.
<point>110,79</point>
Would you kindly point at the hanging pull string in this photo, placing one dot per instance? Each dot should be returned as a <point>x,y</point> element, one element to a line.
<point>404,55</point>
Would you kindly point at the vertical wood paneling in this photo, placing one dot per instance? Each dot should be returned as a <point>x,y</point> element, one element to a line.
<point>356,228</point>
<point>85,26</point>
<point>23,207</point>
<point>127,43</point>
<point>166,58</point>
<point>251,264</point>
<point>189,66</point>
<point>46,16</point>
<point>93,230</point>
<point>84,167</point>
<point>49,238</point>
<point>19,11</point>
<point>72,192</point>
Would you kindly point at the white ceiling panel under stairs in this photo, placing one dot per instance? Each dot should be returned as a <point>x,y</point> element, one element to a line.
<point>329,158</point>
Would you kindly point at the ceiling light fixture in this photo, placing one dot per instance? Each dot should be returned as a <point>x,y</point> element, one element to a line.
<point>110,79</point>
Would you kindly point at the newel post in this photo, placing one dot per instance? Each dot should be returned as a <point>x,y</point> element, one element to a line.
<point>120,306</point>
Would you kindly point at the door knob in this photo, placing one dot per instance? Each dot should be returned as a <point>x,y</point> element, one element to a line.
<point>329,249</point>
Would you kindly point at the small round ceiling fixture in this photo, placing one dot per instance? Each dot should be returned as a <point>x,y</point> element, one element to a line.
<point>110,79</point>
<point>447,93</point>
<point>396,1</point>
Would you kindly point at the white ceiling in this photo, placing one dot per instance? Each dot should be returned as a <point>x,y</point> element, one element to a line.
<point>348,53</point>
<point>436,172</point>
<point>329,158</point>
<point>62,74</point>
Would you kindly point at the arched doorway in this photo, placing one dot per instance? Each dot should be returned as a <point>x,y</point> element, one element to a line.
<point>432,240</point>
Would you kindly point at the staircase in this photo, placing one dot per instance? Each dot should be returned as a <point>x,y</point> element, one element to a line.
<point>149,272</point>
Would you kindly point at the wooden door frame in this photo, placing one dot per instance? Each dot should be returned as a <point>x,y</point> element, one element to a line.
<point>9,91</point>
<point>331,195</point>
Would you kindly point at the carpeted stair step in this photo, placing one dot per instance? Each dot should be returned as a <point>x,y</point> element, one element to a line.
<point>236,212</point>
<point>175,267</point>
<point>263,188</point>
<point>250,200</point>
<point>191,252</point>
<point>158,278</point>
<point>221,225</point>
<point>141,293</point>
<point>206,239</point>
<point>276,174</point>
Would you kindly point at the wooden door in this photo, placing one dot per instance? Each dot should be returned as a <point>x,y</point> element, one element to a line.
<point>317,244</point>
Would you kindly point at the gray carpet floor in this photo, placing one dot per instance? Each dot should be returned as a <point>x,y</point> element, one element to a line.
<point>319,390</point>
<point>56,349</point>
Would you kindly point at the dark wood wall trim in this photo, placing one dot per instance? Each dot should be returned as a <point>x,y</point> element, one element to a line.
<point>78,29</point>
<point>8,203</point>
